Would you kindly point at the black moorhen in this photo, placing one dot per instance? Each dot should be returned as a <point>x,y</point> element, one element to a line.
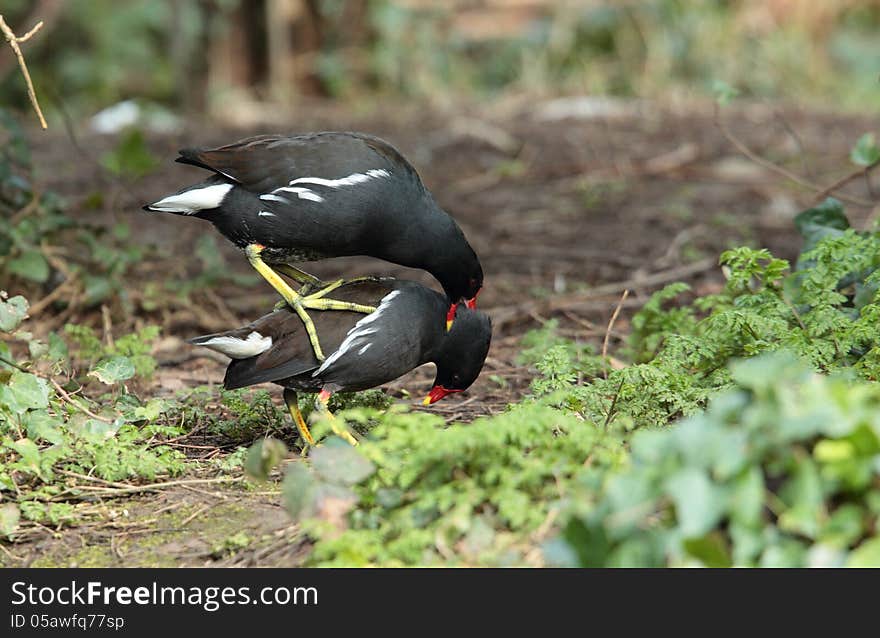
<point>286,199</point>
<point>406,330</point>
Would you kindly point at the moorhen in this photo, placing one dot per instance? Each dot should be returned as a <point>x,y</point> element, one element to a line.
<point>286,199</point>
<point>406,330</point>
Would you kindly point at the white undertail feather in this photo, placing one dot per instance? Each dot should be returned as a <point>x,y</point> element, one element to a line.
<point>357,336</point>
<point>194,200</point>
<point>236,348</point>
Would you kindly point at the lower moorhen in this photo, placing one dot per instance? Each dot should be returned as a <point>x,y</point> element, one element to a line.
<point>287,199</point>
<point>406,330</point>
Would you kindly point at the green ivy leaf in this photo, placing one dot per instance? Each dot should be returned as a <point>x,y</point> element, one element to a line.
<point>724,92</point>
<point>30,453</point>
<point>30,265</point>
<point>747,498</point>
<point>43,426</point>
<point>699,503</point>
<point>824,220</point>
<point>865,152</point>
<point>57,349</point>
<point>24,392</point>
<point>9,518</point>
<point>298,490</point>
<point>263,456</point>
<point>113,370</point>
<point>866,555</point>
<point>12,313</point>
<point>803,495</point>
<point>338,462</point>
<point>131,157</point>
<point>711,550</point>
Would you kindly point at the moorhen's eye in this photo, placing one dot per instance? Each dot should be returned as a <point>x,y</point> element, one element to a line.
<point>456,378</point>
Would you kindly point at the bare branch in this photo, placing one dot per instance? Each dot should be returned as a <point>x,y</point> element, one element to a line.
<point>14,41</point>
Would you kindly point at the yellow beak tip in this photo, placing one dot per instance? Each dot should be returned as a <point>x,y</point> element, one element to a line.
<point>427,400</point>
<point>448,325</point>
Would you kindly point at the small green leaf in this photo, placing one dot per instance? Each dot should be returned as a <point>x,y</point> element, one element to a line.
<point>57,348</point>
<point>30,453</point>
<point>131,157</point>
<point>298,491</point>
<point>724,92</point>
<point>803,495</point>
<point>113,370</point>
<point>865,152</point>
<point>24,392</point>
<point>711,550</point>
<point>9,517</point>
<point>30,265</point>
<point>263,456</point>
<point>43,426</point>
<point>823,220</point>
<point>12,313</point>
<point>338,462</point>
<point>866,555</point>
<point>698,502</point>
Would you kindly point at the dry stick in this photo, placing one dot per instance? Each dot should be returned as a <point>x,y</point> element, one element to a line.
<point>74,402</point>
<point>14,41</point>
<point>504,314</point>
<point>608,332</point>
<point>846,179</point>
<point>797,179</point>
<point>155,487</point>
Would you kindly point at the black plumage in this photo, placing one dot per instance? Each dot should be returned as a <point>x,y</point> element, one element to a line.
<point>330,194</point>
<point>405,331</point>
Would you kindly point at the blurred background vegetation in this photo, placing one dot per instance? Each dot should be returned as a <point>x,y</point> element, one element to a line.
<point>223,55</point>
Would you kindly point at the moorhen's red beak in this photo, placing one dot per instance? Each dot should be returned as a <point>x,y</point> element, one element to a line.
<point>472,302</point>
<point>437,393</point>
<point>450,316</point>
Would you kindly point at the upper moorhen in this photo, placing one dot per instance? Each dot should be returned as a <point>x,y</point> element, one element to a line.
<point>406,330</point>
<point>285,199</point>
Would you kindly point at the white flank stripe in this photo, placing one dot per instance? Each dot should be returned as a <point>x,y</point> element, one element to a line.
<point>302,193</point>
<point>265,213</point>
<point>358,333</point>
<point>351,180</point>
<point>192,201</point>
<point>274,198</point>
<point>364,349</point>
<point>236,348</point>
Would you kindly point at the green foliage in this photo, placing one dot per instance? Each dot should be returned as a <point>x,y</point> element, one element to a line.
<point>779,471</point>
<point>468,494</point>
<point>119,360</point>
<point>33,224</point>
<point>866,152</point>
<point>131,158</point>
<point>45,432</point>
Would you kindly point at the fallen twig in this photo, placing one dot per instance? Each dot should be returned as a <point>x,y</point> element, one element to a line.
<point>608,332</point>
<point>74,402</point>
<point>794,177</point>
<point>14,41</point>
<point>155,487</point>
<point>506,314</point>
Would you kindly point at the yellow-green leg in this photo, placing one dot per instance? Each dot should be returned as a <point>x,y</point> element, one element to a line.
<point>301,277</point>
<point>293,408</point>
<point>321,405</point>
<point>298,302</point>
